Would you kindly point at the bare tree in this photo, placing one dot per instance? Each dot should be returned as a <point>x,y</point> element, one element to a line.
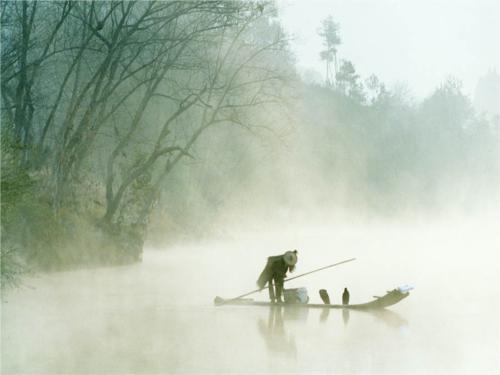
<point>116,94</point>
<point>232,76</point>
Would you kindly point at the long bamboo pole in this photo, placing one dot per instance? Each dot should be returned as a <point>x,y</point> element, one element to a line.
<point>221,301</point>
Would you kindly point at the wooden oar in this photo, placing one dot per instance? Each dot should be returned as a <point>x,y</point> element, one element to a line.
<point>220,301</point>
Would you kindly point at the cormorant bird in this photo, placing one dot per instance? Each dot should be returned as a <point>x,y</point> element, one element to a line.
<point>345,297</point>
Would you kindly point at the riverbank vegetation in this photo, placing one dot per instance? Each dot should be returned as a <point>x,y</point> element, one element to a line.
<point>123,121</point>
<point>102,100</point>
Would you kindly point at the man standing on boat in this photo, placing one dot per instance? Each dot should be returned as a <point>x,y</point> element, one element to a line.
<point>275,272</point>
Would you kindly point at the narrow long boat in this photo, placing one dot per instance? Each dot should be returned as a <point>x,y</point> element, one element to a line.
<point>391,298</point>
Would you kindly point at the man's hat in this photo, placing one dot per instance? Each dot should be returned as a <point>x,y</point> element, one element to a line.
<point>290,257</point>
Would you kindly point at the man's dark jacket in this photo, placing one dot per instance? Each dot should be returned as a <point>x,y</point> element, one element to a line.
<point>275,269</point>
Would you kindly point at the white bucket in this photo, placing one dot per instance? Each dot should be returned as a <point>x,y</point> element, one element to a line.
<point>296,295</point>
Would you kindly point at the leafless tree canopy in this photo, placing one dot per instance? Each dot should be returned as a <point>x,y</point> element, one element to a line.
<point>101,97</point>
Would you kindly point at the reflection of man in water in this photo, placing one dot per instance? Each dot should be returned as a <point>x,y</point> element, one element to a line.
<point>275,335</point>
<point>275,272</point>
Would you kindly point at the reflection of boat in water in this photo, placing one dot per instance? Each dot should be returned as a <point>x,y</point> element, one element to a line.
<point>391,298</point>
<point>391,318</point>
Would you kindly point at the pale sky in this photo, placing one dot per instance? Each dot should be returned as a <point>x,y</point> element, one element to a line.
<point>418,42</point>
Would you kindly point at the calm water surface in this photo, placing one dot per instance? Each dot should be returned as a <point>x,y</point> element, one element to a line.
<point>158,317</point>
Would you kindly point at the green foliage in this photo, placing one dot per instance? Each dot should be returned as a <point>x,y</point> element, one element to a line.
<point>12,267</point>
<point>16,185</point>
<point>329,32</point>
<point>34,236</point>
<point>348,82</point>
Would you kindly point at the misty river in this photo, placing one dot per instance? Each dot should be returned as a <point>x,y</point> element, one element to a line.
<point>158,316</point>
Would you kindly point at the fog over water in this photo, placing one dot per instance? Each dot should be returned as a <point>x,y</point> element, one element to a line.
<point>155,154</point>
<point>158,317</point>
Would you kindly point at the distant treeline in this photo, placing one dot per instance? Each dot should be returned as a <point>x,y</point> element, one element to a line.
<point>378,153</point>
<point>383,152</point>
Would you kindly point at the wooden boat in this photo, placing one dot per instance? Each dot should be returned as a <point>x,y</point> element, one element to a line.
<point>391,298</point>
